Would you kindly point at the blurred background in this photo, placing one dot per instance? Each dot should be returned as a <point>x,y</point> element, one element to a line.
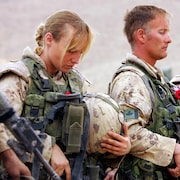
<point>20,18</point>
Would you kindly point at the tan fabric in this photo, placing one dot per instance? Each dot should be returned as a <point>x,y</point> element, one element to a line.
<point>103,118</point>
<point>3,138</point>
<point>11,91</point>
<point>128,88</point>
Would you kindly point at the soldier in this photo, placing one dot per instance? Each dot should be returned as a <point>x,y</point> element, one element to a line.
<point>150,106</point>
<point>39,85</point>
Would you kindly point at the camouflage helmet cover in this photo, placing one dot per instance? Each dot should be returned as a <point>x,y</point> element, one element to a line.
<point>105,115</point>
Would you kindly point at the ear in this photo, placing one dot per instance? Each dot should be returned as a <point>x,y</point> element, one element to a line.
<point>48,38</point>
<point>140,35</point>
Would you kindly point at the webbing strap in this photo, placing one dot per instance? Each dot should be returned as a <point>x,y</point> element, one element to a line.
<point>80,156</point>
<point>51,114</point>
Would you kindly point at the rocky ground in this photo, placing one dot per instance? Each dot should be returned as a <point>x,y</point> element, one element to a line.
<point>19,19</point>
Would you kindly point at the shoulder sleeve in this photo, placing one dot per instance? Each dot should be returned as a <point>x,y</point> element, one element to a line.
<point>14,83</point>
<point>18,68</point>
<point>129,88</point>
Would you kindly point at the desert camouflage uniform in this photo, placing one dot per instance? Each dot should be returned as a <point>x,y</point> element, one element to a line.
<point>18,77</point>
<point>129,89</point>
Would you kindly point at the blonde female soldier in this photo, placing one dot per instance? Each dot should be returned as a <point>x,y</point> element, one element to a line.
<point>34,84</point>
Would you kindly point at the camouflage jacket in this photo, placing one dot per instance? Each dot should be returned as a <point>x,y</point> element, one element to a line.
<point>130,91</point>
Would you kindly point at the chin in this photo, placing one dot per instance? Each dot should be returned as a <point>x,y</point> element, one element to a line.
<point>66,70</point>
<point>162,57</point>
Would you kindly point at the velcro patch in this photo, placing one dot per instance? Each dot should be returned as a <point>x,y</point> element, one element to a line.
<point>131,114</point>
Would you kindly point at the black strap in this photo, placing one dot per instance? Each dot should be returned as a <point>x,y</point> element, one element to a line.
<point>51,114</point>
<point>7,114</point>
<point>36,165</point>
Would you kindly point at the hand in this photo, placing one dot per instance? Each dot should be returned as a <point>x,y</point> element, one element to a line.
<point>60,163</point>
<point>13,165</point>
<point>110,174</point>
<point>115,143</point>
<point>175,172</point>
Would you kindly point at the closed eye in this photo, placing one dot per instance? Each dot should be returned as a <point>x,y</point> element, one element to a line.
<point>74,51</point>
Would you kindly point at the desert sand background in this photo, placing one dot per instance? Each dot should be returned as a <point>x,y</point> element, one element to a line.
<point>20,18</point>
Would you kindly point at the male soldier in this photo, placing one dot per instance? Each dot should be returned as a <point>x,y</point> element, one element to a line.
<point>150,107</point>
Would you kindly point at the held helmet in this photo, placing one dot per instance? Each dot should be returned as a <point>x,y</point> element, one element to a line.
<point>176,80</point>
<point>105,116</point>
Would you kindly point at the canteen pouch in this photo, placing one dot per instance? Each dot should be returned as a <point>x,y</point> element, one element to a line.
<point>72,130</point>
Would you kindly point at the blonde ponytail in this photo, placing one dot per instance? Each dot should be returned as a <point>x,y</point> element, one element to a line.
<point>39,39</point>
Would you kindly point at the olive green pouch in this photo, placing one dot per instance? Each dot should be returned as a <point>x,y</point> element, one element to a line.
<point>73,126</point>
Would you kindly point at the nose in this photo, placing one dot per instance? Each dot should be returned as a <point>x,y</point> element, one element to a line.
<point>75,60</point>
<point>76,57</point>
<point>168,38</point>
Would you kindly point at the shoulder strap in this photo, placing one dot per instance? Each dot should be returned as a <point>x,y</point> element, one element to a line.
<point>38,74</point>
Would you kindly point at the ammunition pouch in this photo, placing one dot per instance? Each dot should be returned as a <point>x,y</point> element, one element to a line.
<point>73,122</point>
<point>67,116</point>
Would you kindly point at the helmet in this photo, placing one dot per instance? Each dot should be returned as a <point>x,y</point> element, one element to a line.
<point>176,80</point>
<point>105,115</point>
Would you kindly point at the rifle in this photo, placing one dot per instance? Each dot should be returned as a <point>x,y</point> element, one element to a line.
<point>24,133</point>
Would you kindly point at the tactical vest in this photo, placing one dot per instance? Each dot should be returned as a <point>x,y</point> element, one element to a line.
<point>165,114</point>
<point>59,111</point>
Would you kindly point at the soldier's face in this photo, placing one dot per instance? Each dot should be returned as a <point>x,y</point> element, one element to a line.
<point>70,60</point>
<point>57,55</point>
<point>157,37</point>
